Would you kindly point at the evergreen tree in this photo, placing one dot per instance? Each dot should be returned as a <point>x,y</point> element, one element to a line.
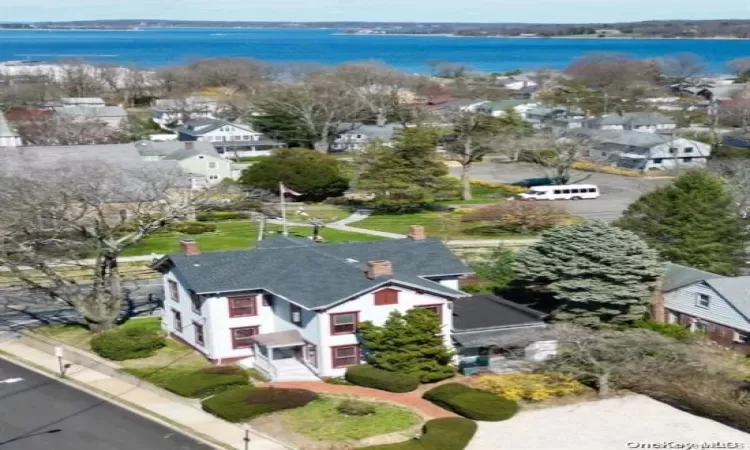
<point>597,272</point>
<point>498,269</point>
<point>694,221</point>
<point>409,343</point>
<point>315,175</point>
<point>407,174</point>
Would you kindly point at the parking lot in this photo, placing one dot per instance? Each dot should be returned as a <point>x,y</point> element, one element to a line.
<point>616,192</point>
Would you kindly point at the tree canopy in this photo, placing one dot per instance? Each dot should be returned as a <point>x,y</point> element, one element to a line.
<point>315,175</point>
<point>694,221</point>
<point>406,174</point>
<point>598,273</point>
<point>410,343</point>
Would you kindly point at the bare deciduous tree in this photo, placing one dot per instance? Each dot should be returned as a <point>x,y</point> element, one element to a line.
<point>681,67</point>
<point>740,67</point>
<point>319,105</point>
<point>378,86</point>
<point>736,173</point>
<point>44,129</point>
<point>554,154</point>
<point>81,210</point>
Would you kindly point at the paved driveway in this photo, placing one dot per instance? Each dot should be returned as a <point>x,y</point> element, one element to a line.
<point>617,192</point>
<point>615,424</point>
<point>37,412</point>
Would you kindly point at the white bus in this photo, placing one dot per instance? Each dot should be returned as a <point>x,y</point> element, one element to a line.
<point>563,192</point>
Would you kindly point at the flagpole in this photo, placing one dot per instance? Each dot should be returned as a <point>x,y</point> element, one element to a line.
<point>283,209</point>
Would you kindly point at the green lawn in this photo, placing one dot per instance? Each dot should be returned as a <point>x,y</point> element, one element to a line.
<point>320,420</point>
<point>235,235</point>
<point>176,354</point>
<point>324,213</point>
<point>443,225</point>
<point>482,195</point>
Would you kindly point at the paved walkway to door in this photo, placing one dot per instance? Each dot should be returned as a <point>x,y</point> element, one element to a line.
<point>411,400</point>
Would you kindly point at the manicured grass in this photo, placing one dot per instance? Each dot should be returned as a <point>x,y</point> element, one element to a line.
<point>235,235</point>
<point>175,354</point>
<point>324,213</point>
<point>482,195</point>
<point>321,420</point>
<point>443,225</point>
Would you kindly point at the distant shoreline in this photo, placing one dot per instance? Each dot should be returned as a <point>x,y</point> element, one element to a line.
<point>608,38</point>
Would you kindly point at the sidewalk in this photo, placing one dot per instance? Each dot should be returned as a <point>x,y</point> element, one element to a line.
<point>411,400</point>
<point>180,414</point>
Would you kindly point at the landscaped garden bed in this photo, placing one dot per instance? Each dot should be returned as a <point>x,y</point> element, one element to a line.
<point>472,403</point>
<point>240,404</point>
<point>451,433</point>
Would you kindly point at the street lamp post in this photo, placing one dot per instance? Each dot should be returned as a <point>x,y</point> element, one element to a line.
<point>247,438</point>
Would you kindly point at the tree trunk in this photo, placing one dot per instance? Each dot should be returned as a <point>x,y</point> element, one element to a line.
<point>602,384</point>
<point>103,304</point>
<point>465,183</point>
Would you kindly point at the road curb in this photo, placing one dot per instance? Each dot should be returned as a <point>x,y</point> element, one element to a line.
<point>124,404</point>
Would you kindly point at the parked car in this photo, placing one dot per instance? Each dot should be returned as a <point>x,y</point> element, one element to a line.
<point>533,182</point>
<point>564,192</point>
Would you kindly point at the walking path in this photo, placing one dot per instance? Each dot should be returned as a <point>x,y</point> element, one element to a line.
<point>185,415</point>
<point>412,400</point>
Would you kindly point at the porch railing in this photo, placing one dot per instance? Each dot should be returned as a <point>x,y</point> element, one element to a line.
<point>266,365</point>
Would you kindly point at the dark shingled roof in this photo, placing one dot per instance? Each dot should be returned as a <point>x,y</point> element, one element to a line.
<point>485,311</point>
<point>318,275</point>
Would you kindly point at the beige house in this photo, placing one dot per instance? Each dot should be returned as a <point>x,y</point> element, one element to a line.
<point>203,161</point>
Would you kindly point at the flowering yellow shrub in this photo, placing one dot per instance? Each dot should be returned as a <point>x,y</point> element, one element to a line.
<point>462,211</point>
<point>532,387</point>
<point>588,166</point>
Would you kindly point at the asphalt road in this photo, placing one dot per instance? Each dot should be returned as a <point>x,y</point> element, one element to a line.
<point>616,192</point>
<point>20,308</point>
<point>40,413</point>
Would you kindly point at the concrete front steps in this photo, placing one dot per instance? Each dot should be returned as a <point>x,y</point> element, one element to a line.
<point>286,370</point>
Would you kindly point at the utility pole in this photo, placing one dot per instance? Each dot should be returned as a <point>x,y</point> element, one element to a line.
<point>283,209</point>
<point>247,438</point>
<point>262,228</point>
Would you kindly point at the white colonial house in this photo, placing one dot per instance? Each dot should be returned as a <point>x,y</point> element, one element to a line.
<point>232,140</point>
<point>291,307</point>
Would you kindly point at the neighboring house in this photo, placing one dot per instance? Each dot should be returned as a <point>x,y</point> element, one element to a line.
<point>515,82</point>
<point>443,105</point>
<point>199,159</point>
<point>355,136</point>
<point>650,122</point>
<point>232,140</point>
<point>291,307</point>
<point>496,334</point>
<point>541,117</point>
<point>498,107</point>
<point>8,136</point>
<point>704,301</point>
<point>645,151</point>
<point>96,102</point>
<point>111,116</point>
<point>167,112</point>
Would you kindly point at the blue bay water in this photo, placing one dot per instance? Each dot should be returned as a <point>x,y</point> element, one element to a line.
<point>152,48</point>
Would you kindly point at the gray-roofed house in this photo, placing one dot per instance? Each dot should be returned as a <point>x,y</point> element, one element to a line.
<point>291,307</point>
<point>8,136</point>
<point>645,151</point>
<point>97,102</point>
<point>497,108</point>
<point>704,301</point>
<point>355,136</point>
<point>649,122</point>
<point>111,116</point>
<point>232,140</point>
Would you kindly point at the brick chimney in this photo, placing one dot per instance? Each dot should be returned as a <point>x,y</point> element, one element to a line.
<point>377,269</point>
<point>416,233</point>
<point>188,145</point>
<point>189,247</point>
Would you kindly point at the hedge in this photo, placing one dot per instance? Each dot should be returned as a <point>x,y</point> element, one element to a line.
<point>450,433</point>
<point>206,382</point>
<point>217,216</point>
<point>239,404</point>
<point>192,228</point>
<point>368,376</point>
<point>472,403</point>
<point>128,343</point>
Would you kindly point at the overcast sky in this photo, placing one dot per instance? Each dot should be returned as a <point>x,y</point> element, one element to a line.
<point>376,10</point>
